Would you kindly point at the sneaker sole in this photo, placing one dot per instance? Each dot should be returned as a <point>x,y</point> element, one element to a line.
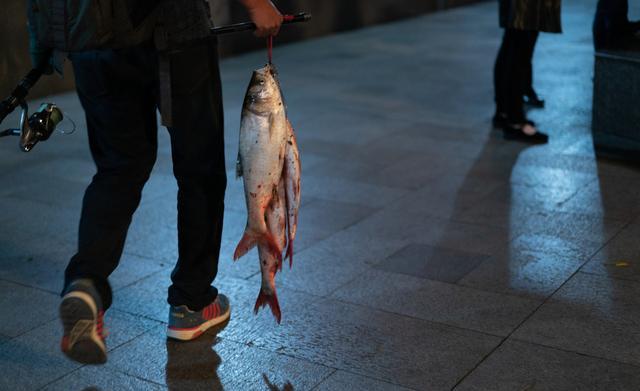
<point>195,332</point>
<point>81,341</point>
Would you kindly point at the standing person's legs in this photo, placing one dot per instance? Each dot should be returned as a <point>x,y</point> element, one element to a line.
<point>528,75</point>
<point>502,74</point>
<point>517,74</point>
<point>518,126</point>
<point>197,141</point>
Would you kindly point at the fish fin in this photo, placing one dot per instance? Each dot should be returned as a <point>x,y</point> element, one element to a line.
<point>249,241</point>
<point>270,300</point>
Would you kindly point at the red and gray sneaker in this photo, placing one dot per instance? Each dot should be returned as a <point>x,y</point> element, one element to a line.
<point>186,325</point>
<point>82,318</point>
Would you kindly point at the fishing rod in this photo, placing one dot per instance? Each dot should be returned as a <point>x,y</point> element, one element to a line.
<point>41,124</point>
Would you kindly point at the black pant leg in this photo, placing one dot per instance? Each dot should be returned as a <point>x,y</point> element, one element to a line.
<point>197,141</point>
<point>501,71</point>
<point>528,72</point>
<point>499,79</point>
<point>515,69</point>
<point>116,89</point>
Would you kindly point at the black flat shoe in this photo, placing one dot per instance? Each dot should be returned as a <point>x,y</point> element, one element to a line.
<point>515,133</point>
<point>533,100</point>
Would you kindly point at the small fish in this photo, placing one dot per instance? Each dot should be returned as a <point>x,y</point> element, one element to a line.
<point>263,137</point>
<point>276,217</point>
<point>292,174</point>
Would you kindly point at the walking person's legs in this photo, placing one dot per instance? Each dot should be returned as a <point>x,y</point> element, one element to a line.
<point>197,142</point>
<point>116,89</point>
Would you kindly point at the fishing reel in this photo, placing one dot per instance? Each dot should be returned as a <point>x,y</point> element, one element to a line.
<point>37,127</point>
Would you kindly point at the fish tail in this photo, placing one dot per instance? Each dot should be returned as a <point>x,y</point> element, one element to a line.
<point>247,242</point>
<point>268,299</point>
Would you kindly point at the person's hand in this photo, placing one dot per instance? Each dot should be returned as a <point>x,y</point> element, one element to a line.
<point>266,17</point>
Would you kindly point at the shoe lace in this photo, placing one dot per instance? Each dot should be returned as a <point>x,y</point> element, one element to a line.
<point>102,331</point>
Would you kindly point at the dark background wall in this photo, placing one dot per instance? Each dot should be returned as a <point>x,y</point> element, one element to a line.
<point>328,16</point>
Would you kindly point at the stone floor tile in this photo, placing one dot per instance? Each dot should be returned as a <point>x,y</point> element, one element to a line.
<point>41,270</point>
<point>320,219</point>
<point>447,196</point>
<point>159,243</point>
<point>609,196</point>
<point>578,249</point>
<point>45,271</point>
<point>432,263</point>
<point>439,302</point>
<point>317,270</point>
<point>356,248</point>
<point>341,380</point>
<point>590,314</point>
<point>528,272</point>
<point>357,339</point>
<point>123,327</point>
<point>25,308</point>
<point>523,366</point>
<point>423,229</point>
<point>90,378</point>
<point>409,172</point>
<point>66,193</point>
<point>33,360</point>
<point>619,257</point>
<point>585,230</point>
<point>49,225</point>
<point>146,298</point>
<point>212,363</point>
<point>341,190</point>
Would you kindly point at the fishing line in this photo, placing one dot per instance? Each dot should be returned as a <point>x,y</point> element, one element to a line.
<point>285,19</point>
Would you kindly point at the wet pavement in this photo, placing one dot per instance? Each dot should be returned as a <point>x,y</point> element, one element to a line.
<point>432,254</point>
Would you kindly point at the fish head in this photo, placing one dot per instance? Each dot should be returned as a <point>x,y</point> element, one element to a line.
<point>263,92</point>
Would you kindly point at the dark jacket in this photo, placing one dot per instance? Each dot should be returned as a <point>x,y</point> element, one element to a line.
<point>536,15</point>
<point>79,25</point>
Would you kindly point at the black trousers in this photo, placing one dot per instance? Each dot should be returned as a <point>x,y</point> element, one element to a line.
<point>118,90</point>
<point>512,72</point>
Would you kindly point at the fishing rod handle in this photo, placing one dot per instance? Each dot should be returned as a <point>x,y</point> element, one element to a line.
<point>250,26</point>
<point>19,93</point>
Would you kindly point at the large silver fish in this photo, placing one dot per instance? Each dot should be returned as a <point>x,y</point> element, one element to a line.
<point>263,137</point>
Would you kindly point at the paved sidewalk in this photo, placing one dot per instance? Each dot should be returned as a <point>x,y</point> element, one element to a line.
<point>432,255</point>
